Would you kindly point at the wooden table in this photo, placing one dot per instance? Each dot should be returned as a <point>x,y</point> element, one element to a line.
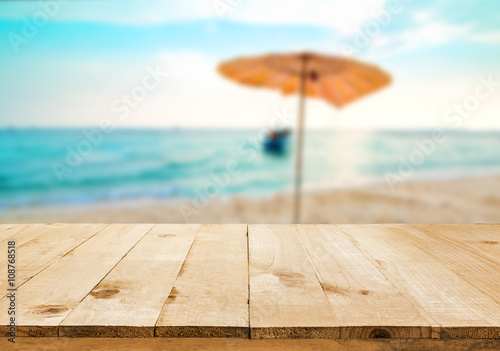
<point>411,283</point>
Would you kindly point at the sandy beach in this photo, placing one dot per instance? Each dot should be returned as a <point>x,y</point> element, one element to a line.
<point>470,200</point>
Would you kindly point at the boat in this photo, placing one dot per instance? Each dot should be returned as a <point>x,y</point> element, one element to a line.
<point>277,141</point>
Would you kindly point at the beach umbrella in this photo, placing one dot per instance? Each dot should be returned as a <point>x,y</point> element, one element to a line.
<point>337,80</point>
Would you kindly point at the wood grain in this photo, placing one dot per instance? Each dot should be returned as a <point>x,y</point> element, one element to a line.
<point>408,284</point>
<point>286,298</point>
<point>40,252</point>
<point>483,237</point>
<point>486,238</point>
<point>460,310</point>
<point>8,231</point>
<point>477,267</point>
<point>128,301</point>
<point>210,295</point>
<point>21,234</point>
<point>46,299</point>
<point>366,304</point>
<point>232,344</point>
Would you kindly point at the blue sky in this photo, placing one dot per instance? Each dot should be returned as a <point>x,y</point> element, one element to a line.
<point>89,53</point>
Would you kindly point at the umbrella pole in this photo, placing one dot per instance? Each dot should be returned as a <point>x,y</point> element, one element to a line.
<point>300,139</point>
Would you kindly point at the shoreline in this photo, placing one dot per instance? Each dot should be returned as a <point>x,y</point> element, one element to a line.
<point>457,200</point>
<point>417,178</point>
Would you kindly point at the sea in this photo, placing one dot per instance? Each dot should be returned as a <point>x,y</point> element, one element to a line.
<point>85,166</point>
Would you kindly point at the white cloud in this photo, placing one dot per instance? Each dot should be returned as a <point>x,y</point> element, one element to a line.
<point>492,37</point>
<point>428,34</point>
<point>339,15</point>
<point>421,16</point>
<point>343,16</point>
<point>196,95</point>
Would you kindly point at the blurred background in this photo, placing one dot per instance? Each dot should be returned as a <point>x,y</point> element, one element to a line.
<point>114,111</point>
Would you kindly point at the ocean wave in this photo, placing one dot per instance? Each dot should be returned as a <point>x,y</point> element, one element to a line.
<point>165,164</point>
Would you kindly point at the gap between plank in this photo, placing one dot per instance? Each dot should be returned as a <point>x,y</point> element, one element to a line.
<point>248,280</point>
<point>316,270</point>
<point>138,241</point>
<point>175,281</point>
<point>50,264</point>
<point>419,308</point>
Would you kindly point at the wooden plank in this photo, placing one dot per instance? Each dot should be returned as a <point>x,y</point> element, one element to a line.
<point>305,281</point>
<point>473,265</point>
<point>231,344</point>
<point>483,237</point>
<point>45,300</point>
<point>23,233</point>
<point>7,230</point>
<point>286,298</point>
<point>460,309</point>
<point>487,239</point>
<point>128,301</point>
<point>40,252</point>
<point>5,227</point>
<point>210,295</point>
<point>366,304</point>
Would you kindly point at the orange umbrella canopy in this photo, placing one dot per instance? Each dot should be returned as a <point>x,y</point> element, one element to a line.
<point>335,79</point>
